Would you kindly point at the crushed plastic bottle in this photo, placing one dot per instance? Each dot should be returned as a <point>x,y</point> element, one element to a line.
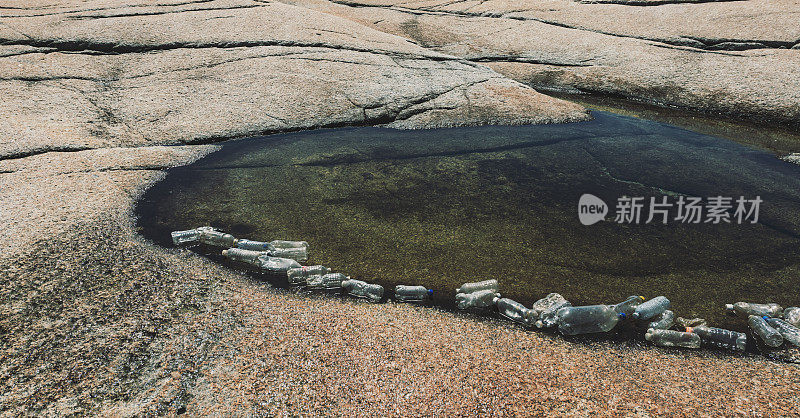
<point>547,302</point>
<point>513,310</point>
<point>211,236</point>
<point>671,338</point>
<point>549,318</point>
<point>758,309</point>
<point>663,321</point>
<point>722,338</point>
<point>185,237</point>
<point>760,327</point>
<point>690,322</point>
<point>327,281</point>
<point>361,289</point>
<point>575,320</point>
<point>651,308</point>
<point>792,316</point>
<point>261,260</point>
<point>246,244</point>
<point>478,286</point>
<point>477,299</point>
<point>628,305</point>
<point>300,275</point>
<point>788,331</point>
<point>405,293</point>
<point>299,252</point>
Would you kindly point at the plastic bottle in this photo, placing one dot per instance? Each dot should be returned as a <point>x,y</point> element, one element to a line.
<point>327,281</point>
<point>792,316</point>
<point>690,322</point>
<point>513,310</point>
<point>244,256</point>
<point>769,335</point>
<point>651,308</point>
<point>246,244</point>
<point>671,338</point>
<point>405,293</point>
<point>477,286</point>
<point>628,305</point>
<point>361,289</point>
<point>211,236</point>
<point>663,321</point>
<point>185,237</point>
<point>299,275</point>
<point>789,332</point>
<point>722,338</point>
<point>575,320</point>
<point>549,317</point>
<point>478,299</point>
<point>758,309</point>
<point>277,264</point>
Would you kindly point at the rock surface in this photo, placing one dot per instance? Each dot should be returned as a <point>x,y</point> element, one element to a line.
<point>95,320</point>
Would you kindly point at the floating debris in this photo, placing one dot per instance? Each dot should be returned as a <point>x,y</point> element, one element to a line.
<point>513,310</point>
<point>789,332</point>
<point>327,281</point>
<point>792,316</point>
<point>405,293</point>
<point>721,338</point>
<point>575,320</point>
<point>246,244</point>
<point>478,286</point>
<point>629,305</point>
<point>663,321</point>
<point>769,335</point>
<point>672,338</point>
<point>261,260</point>
<point>299,276</point>
<point>757,309</point>
<point>548,317</point>
<point>690,322</point>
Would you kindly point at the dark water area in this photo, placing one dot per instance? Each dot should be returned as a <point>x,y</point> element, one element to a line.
<point>447,206</point>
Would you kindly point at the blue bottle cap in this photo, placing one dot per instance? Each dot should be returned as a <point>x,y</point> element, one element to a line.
<point>622,315</point>
<point>766,318</point>
<point>430,292</point>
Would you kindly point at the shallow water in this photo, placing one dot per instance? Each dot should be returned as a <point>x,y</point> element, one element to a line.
<point>446,206</point>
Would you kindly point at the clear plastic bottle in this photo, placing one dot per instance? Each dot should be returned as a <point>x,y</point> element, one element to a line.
<point>663,321</point>
<point>549,317</point>
<point>299,275</point>
<point>477,286</point>
<point>185,237</point>
<point>690,322</point>
<point>789,332</point>
<point>513,310</point>
<point>477,299</point>
<point>671,338</point>
<point>629,305</point>
<point>244,256</point>
<point>722,338</point>
<point>651,308</point>
<point>211,236</point>
<point>362,289</point>
<point>327,281</point>
<point>792,316</point>
<point>405,293</point>
<point>758,309</point>
<point>246,244</point>
<point>575,320</point>
<point>769,335</point>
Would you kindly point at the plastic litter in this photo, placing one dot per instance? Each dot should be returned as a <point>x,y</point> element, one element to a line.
<point>789,332</point>
<point>261,260</point>
<point>651,308</point>
<point>296,250</point>
<point>663,321</point>
<point>792,316</point>
<point>478,286</point>
<point>246,244</point>
<point>628,305</point>
<point>361,289</point>
<point>722,338</point>
<point>327,281</point>
<point>769,335</point>
<point>211,236</point>
<point>513,310</point>
<point>758,309</point>
<point>671,338</point>
<point>300,275</point>
<point>690,322</point>
<point>548,318</point>
<point>405,293</point>
<point>185,237</point>
<point>478,299</point>
<point>575,320</point>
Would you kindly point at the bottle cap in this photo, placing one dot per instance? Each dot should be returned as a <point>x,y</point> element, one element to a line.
<point>225,252</point>
<point>766,318</point>
<point>430,292</point>
<point>622,315</point>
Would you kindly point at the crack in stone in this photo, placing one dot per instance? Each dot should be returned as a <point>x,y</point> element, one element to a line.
<point>500,58</point>
<point>164,12</point>
<point>645,3</point>
<point>97,9</point>
<point>45,150</point>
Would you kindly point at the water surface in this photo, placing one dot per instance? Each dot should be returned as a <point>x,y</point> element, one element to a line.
<point>446,206</point>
